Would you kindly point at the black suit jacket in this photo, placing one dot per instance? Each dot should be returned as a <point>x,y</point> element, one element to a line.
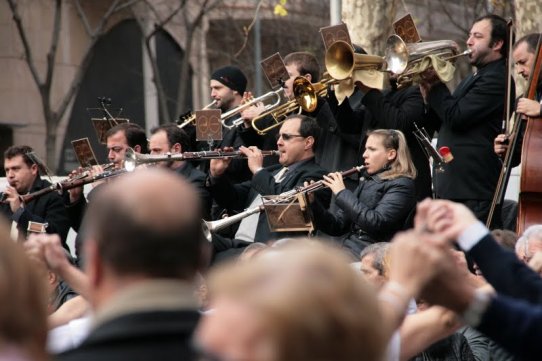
<point>471,119</point>
<point>239,196</point>
<point>48,208</point>
<point>158,335</point>
<point>515,325</point>
<point>197,179</point>
<point>505,272</point>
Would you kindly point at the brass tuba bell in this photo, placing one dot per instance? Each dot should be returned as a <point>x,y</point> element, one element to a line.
<point>341,61</point>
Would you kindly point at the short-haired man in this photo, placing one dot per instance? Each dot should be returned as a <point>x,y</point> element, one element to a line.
<point>298,139</point>
<point>471,118</point>
<point>524,57</point>
<point>142,254</point>
<point>124,136</point>
<point>118,139</point>
<point>169,138</point>
<point>23,177</point>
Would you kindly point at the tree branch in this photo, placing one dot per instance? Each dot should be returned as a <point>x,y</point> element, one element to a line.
<point>22,34</point>
<point>83,17</point>
<point>54,46</point>
<point>81,70</point>
<point>247,29</point>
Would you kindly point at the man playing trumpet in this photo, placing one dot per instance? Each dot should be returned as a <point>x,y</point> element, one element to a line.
<point>471,118</point>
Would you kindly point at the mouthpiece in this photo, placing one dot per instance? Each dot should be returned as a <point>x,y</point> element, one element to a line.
<point>446,154</point>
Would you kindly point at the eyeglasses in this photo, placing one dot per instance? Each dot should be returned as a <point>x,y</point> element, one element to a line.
<point>287,137</point>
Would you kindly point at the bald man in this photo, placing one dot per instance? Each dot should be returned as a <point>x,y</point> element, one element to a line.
<point>142,253</point>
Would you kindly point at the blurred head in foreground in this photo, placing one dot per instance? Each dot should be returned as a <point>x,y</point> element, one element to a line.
<point>23,296</point>
<point>298,302</point>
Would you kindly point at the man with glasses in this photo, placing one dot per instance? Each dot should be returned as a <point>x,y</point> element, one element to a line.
<point>297,141</point>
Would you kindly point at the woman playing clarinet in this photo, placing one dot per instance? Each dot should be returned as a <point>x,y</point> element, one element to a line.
<point>384,201</point>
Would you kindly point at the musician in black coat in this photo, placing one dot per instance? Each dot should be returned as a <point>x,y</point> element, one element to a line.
<point>471,118</point>
<point>23,177</point>
<point>296,143</point>
<point>168,138</point>
<point>381,205</point>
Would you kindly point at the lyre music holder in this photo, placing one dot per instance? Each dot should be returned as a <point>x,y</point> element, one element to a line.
<point>292,215</point>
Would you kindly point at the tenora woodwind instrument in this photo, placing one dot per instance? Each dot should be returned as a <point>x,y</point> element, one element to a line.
<point>215,226</point>
<point>67,184</point>
<point>133,159</point>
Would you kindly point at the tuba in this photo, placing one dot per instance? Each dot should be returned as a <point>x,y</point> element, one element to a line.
<point>341,61</point>
<point>405,59</point>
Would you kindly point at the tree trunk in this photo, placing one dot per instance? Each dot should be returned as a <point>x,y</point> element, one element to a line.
<point>370,22</point>
<point>528,15</point>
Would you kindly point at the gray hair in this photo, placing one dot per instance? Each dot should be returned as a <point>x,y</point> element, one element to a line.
<point>531,233</point>
<point>378,251</point>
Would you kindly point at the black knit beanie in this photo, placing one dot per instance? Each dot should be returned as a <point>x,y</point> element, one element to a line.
<point>232,77</point>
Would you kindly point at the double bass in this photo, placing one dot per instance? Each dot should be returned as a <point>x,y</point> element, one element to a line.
<point>530,193</point>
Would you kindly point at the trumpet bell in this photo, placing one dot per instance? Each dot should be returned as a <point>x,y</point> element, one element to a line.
<point>341,60</point>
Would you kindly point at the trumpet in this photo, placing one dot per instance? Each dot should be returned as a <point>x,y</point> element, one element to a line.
<point>215,226</point>
<point>275,95</point>
<point>185,120</point>
<point>341,61</point>
<point>305,99</point>
<point>133,159</point>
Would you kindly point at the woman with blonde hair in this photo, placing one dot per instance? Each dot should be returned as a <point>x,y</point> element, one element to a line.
<point>298,302</point>
<point>384,201</point>
<point>23,296</point>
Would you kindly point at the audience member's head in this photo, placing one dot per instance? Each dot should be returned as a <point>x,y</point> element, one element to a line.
<point>505,238</point>
<point>529,243</point>
<point>23,295</point>
<point>252,250</point>
<point>145,225</point>
<point>299,302</point>
<point>374,265</point>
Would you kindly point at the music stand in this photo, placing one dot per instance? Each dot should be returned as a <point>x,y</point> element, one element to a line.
<point>288,216</point>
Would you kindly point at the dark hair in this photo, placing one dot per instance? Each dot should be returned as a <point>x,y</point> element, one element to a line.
<point>531,40</point>
<point>498,31</point>
<point>21,150</point>
<point>174,135</point>
<point>305,62</point>
<point>308,128</point>
<point>134,133</point>
<point>505,238</point>
<point>130,242</point>
<point>378,251</point>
